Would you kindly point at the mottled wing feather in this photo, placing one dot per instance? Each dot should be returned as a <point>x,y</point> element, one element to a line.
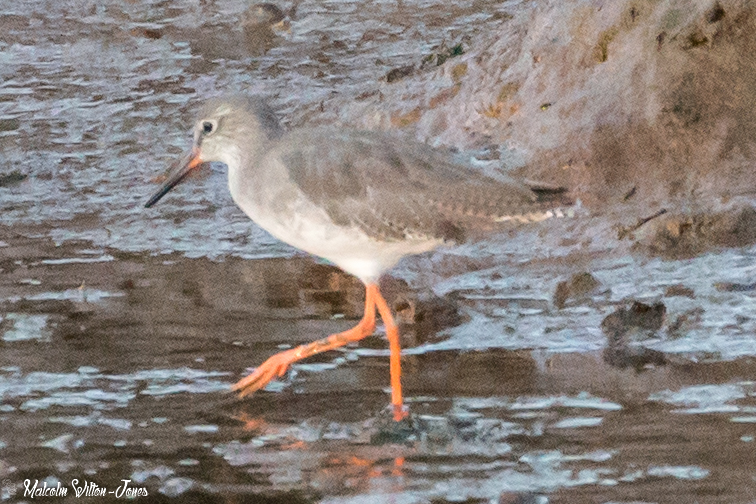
<point>394,189</point>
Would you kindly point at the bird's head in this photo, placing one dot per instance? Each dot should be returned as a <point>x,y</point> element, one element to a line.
<point>228,129</point>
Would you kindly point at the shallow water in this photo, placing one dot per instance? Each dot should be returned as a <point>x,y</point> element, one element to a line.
<point>121,328</point>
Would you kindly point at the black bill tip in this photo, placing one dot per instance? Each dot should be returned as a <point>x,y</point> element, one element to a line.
<point>179,172</point>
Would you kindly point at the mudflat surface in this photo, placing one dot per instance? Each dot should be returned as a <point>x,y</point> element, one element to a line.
<point>562,366</point>
<point>117,366</point>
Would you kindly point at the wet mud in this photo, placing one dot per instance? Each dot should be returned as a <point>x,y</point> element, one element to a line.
<point>117,365</point>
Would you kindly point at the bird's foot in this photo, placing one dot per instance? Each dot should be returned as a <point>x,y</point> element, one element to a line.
<point>272,368</point>
<point>400,412</point>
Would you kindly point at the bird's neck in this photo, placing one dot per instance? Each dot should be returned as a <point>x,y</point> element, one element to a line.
<point>241,161</point>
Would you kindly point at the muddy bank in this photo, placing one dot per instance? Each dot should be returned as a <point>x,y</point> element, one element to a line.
<point>636,106</point>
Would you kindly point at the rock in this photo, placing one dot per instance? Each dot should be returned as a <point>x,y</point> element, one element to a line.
<point>580,285</point>
<point>624,327</point>
<point>639,315</point>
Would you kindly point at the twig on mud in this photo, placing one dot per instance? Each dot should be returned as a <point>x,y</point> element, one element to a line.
<point>623,231</point>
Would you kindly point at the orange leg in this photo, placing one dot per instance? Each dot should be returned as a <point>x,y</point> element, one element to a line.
<point>277,365</point>
<point>392,333</point>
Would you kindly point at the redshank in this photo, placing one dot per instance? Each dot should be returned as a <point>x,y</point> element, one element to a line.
<point>360,199</point>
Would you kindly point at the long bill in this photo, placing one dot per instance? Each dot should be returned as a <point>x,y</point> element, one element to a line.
<point>178,173</point>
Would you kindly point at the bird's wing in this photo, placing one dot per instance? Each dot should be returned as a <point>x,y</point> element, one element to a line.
<point>395,189</point>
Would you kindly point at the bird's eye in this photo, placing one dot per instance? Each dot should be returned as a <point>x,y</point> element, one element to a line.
<point>208,127</point>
